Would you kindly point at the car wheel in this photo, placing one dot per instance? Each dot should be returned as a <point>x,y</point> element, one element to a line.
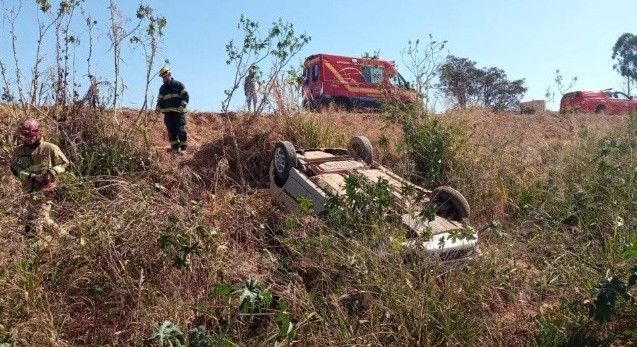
<point>600,110</point>
<point>361,148</point>
<point>283,159</point>
<point>450,204</point>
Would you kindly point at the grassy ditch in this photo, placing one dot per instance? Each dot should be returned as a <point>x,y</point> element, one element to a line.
<point>172,253</point>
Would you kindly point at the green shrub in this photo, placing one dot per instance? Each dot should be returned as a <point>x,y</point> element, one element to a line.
<point>431,145</point>
<point>199,337</point>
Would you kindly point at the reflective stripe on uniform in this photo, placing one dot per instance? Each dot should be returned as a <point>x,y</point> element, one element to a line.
<point>58,169</point>
<point>170,109</point>
<point>24,175</point>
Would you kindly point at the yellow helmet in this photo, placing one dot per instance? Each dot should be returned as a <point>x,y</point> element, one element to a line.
<point>164,70</point>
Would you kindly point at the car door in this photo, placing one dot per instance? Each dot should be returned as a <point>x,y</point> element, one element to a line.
<point>611,102</point>
<point>623,105</point>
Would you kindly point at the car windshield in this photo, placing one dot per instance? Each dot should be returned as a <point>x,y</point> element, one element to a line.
<point>623,96</point>
<point>399,81</point>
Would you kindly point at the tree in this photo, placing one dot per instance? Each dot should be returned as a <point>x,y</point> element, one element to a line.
<point>466,85</point>
<point>457,79</point>
<point>279,46</point>
<point>562,87</point>
<point>625,54</point>
<point>496,91</point>
<point>423,62</point>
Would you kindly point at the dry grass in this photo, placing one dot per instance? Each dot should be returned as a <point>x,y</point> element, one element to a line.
<point>113,288</point>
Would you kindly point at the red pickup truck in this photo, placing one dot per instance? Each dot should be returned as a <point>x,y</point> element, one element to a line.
<point>600,102</point>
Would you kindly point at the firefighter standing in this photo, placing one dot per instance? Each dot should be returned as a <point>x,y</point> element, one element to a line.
<point>250,86</point>
<point>172,101</point>
<point>37,163</point>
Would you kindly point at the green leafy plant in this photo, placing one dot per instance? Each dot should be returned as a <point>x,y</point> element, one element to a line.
<point>183,252</point>
<point>199,337</point>
<point>253,296</point>
<point>256,300</point>
<point>363,205</point>
<point>613,291</point>
<point>168,334</point>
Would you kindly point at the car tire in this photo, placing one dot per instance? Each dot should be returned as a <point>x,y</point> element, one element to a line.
<point>361,148</point>
<point>450,204</point>
<point>283,159</point>
<point>601,110</point>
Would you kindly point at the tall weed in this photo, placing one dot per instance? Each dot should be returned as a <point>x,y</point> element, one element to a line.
<point>431,145</point>
<point>312,131</point>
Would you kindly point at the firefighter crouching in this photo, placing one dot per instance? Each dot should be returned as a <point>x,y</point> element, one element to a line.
<point>37,163</point>
<point>172,101</point>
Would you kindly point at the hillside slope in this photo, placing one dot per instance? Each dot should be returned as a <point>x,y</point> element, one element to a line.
<point>177,238</point>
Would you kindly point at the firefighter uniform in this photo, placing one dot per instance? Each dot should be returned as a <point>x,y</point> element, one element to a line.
<point>27,163</point>
<point>172,101</point>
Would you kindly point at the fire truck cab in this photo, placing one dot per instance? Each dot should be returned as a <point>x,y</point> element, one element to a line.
<point>350,83</point>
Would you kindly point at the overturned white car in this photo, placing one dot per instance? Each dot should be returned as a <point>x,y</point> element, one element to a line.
<point>318,173</point>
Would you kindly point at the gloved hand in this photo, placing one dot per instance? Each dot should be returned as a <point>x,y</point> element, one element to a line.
<point>157,110</point>
<point>182,108</point>
<point>40,179</point>
<point>36,178</point>
<point>44,177</point>
<point>49,176</point>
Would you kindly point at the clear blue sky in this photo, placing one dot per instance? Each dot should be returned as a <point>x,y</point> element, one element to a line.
<point>527,39</point>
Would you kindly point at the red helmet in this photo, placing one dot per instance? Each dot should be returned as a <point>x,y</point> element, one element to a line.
<point>30,131</point>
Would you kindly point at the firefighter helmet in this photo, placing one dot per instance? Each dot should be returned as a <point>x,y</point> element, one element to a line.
<point>30,131</point>
<point>163,71</point>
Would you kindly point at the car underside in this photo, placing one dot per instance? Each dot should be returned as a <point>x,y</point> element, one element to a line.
<point>315,175</point>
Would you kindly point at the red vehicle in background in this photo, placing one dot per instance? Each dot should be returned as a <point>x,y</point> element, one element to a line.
<point>600,102</point>
<point>349,83</point>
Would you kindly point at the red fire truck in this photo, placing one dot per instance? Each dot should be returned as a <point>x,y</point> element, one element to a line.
<point>349,83</point>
